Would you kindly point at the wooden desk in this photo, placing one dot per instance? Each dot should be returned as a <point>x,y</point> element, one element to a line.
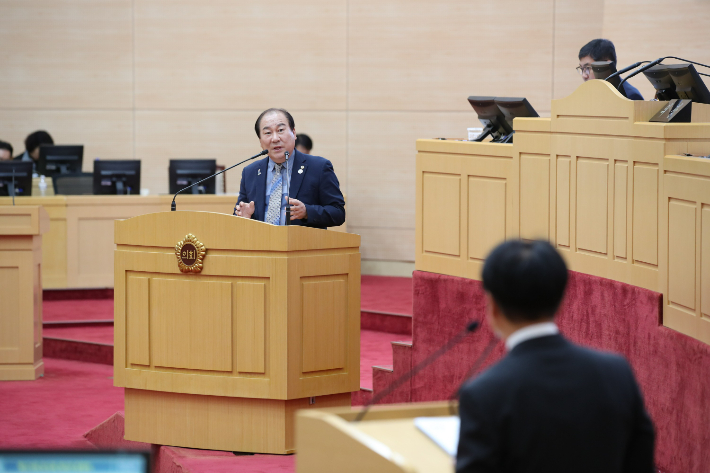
<point>593,180</point>
<point>21,229</point>
<point>385,441</point>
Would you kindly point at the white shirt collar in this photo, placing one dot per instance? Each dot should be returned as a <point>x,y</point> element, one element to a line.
<point>542,329</point>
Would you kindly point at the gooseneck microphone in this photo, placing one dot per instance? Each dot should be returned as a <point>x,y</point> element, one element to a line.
<point>471,327</point>
<point>173,207</point>
<point>625,70</point>
<point>639,71</point>
<point>288,205</point>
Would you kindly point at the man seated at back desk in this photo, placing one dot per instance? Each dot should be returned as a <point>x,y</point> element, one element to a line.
<point>602,50</point>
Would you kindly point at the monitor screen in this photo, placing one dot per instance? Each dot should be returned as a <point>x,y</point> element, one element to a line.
<point>661,79</point>
<point>688,84</point>
<point>117,177</point>
<point>22,171</point>
<point>74,462</point>
<point>183,172</point>
<point>513,107</point>
<point>60,159</point>
<point>491,117</point>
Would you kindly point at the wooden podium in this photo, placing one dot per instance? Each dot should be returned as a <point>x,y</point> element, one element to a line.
<point>218,353</point>
<point>385,441</point>
<point>21,230</point>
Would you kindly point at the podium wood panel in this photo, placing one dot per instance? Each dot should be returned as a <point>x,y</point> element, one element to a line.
<point>272,320</point>
<point>21,229</point>
<point>386,440</point>
<point>591,179</point>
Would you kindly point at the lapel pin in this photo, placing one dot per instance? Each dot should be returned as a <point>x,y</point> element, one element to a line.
<point>300,171</point>
<point>258,173</point>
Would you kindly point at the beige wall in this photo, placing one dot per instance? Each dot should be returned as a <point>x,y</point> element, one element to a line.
<point>174,79</point>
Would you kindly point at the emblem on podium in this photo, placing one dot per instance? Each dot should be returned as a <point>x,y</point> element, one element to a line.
<point>190,253</point>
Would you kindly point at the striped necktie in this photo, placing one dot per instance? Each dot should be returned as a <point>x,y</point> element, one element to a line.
<point>273,213</point>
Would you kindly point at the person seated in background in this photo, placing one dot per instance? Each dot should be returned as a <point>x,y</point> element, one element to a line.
<point>5,151</point>
<point>304,144</point>
<point>32,144</point>
<point>549,405</point>
<point>602,50</point>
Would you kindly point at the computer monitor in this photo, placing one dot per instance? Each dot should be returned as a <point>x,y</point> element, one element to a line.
<point>513,107</point>
<point>603,69</point>
<point>183,172</point>
<point>492,119</point>
<point>60,159</point>
<point>22,171</point>
<point>688,84</point>
<point>86,461</point>
<point>117,177</point>
<point>661,79</point>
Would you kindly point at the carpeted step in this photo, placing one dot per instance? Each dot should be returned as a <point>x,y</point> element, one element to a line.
<point>389,322</point>
<point>361,397</point>
<point>77,350</point>
<point>108,435</point>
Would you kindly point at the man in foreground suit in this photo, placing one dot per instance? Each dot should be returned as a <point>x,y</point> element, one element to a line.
<point>310,181</point>
<point>549,405</point>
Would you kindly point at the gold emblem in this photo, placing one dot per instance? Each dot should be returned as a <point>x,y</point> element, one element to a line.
<point>190,253</point>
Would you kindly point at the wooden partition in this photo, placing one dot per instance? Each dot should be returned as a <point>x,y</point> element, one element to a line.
<point>385,441</point>
<point>78,248</point>
<point>591,179</point>
<point>21,229</point>
<point>271,324</point>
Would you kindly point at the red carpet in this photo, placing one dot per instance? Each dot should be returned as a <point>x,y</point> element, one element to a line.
<point>87,309</point>
<point>386,294</point>
<point>95,334</point>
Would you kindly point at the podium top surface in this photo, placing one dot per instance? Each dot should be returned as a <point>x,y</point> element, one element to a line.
<point>226,232</point>
<point>23,220</point>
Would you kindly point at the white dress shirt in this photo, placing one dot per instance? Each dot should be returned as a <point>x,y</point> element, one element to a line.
<point>542,329</point>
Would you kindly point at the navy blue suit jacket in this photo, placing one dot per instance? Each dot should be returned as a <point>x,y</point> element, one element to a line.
<point>317,187</point>
<point>555,407</point>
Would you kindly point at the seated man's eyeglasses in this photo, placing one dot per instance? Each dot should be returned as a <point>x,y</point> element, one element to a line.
<point>584,70</point>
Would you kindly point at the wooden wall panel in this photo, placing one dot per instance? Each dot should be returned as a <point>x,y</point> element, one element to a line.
<point>634,28</point>
<point>441,213</point>
<point>66,54</point>
<point>534,196</point>
<point>194,314</point>
<point>621,196</point>
<point>227,136</point>
<point>10,327</point>
<point>234,55</point>
<point>250,336</point>
<point>645,213</point>
<point>423,55</point>
<point>104,134</point>
<point>486,215</point>
<point>564,170</point>
<point>576,23</point>
<point>705,262</point>
<point>592,204</point>
<point>324,314</point>
<point>138,320</point>
<point>681,253</point>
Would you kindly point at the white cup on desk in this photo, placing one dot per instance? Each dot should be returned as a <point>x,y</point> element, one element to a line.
<point>145,192</point>
<point>474,133</point>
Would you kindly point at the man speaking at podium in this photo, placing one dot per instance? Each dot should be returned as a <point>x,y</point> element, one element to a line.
<point>549,405</point>
<point>309,181</point>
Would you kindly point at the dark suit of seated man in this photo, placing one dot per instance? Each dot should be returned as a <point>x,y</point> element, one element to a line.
<point>549,405</point>
<point>310,181</point>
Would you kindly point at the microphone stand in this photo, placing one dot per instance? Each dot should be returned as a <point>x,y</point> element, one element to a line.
<point>13,186</point>
<point>471,327</point>
<point>288,204</point>
<point>173,207</point>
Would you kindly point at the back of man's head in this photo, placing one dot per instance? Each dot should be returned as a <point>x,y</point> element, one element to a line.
<point>6,146</point>
<point>599,50</point>
<point>526,279</point>
<point>36,139</point>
